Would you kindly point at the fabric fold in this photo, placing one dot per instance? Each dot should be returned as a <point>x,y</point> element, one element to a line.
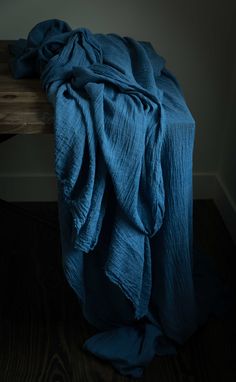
<point>123,160</point>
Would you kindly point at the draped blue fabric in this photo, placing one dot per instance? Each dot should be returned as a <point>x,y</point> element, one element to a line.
<point>123,160</point>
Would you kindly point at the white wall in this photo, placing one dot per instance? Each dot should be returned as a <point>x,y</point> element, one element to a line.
<point>194,37</point>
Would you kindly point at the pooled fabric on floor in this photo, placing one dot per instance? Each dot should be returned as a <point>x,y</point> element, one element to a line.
<point>123,160</point>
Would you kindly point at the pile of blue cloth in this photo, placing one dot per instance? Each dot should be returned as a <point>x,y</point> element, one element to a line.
<point>123,160</point>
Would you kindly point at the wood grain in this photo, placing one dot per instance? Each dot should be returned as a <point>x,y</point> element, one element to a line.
<point>24,108</point>
<point>42,328</point>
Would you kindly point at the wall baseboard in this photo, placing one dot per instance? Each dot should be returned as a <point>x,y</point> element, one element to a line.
<point>227,208</point>
<point>43,187</point>
<point>210,186</point>
<point>28,187</point>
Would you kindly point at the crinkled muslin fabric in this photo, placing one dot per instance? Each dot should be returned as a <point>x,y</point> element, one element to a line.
<point>123,160</point>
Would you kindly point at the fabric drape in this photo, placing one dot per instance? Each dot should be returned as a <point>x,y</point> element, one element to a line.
<point>123,159</point>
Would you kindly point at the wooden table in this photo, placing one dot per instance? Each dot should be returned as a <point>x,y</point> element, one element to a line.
<point>24,108</point>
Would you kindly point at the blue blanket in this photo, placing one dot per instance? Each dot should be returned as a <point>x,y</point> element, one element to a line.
<point>123,160</point>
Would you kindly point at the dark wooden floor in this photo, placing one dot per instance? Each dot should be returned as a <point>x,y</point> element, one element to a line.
<point>41,326</point>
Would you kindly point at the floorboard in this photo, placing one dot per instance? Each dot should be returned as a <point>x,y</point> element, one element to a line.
<point>42,329</point>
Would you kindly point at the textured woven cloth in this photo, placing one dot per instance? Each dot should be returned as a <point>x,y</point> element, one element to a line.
<point>123,160</point>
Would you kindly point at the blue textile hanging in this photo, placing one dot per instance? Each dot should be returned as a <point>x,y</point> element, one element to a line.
<point>123,160</point>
